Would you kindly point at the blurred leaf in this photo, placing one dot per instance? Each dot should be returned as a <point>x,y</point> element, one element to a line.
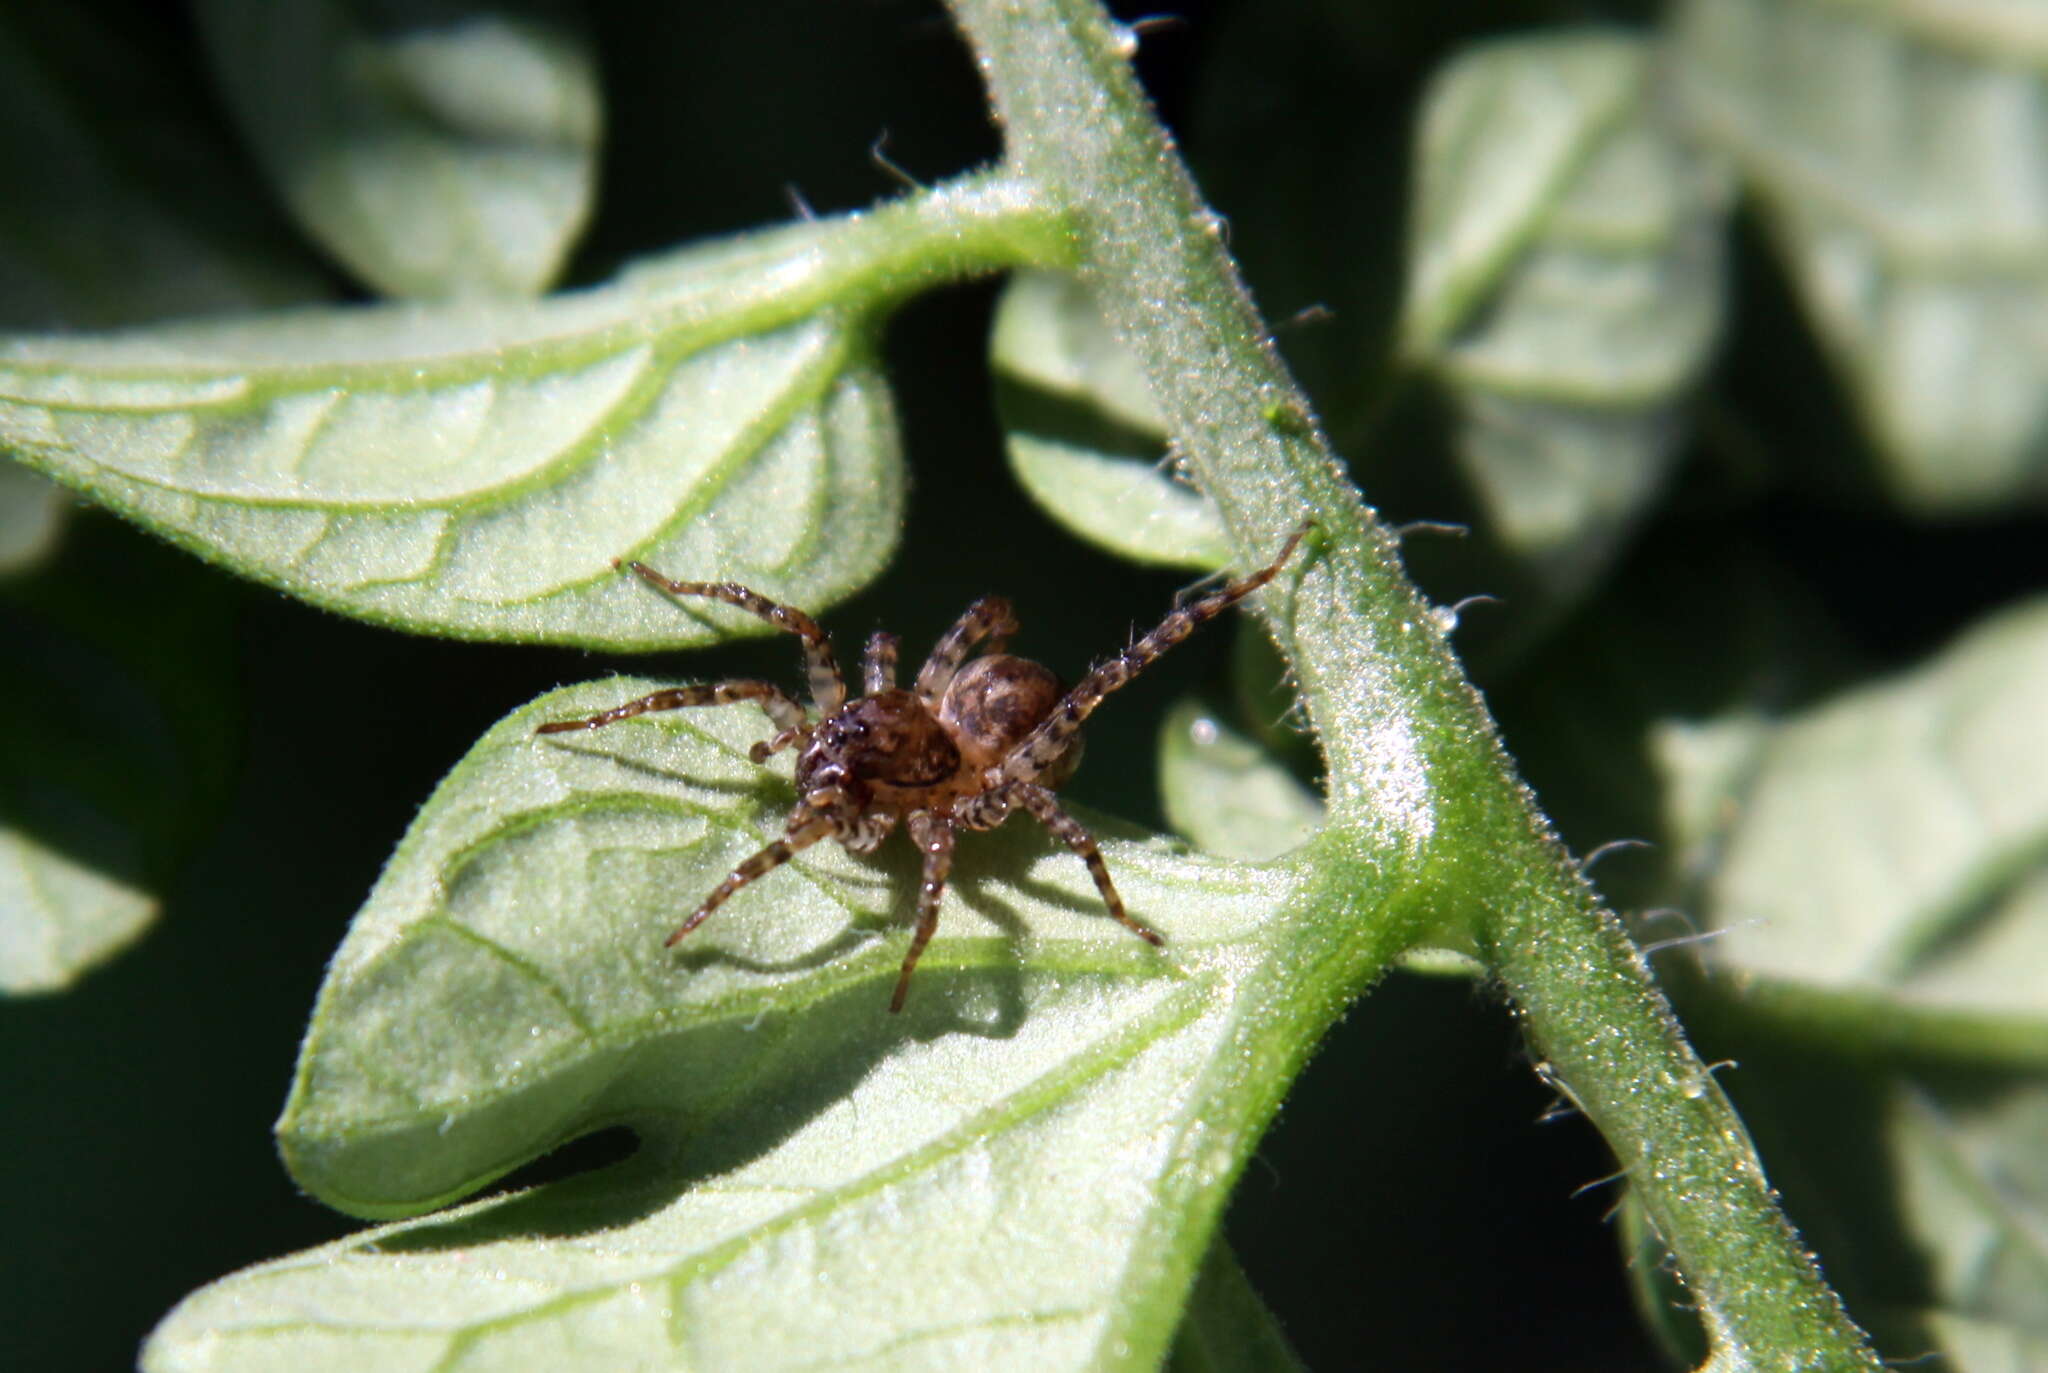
<point>123,201</point>
<point>1227,1329</point>
<point>474,468</point>
<point>1566,287</point>
<point>817,1179</point>
<point>32,511</point>
<point>1226,794</point>
<point>439,148</point>
<point>1896,149</point>
<point>1231,797</point>
<point>1875,870</point>
<point>58,917</point>
<point>127,676</point>
<point>1927,886</point>
<point>1083,435</point>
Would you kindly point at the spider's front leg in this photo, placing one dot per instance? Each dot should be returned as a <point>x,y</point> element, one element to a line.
<point>784,713</point>
<point>934,840</point>
<point>828,687</point>
<point>805,828</point>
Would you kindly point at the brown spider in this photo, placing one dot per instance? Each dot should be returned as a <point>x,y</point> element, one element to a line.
<point>970,742</point>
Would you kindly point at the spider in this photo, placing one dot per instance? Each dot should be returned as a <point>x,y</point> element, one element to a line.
<point>972,740</point>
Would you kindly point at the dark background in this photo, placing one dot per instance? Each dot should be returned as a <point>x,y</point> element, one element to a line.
<point>1410,1208</point>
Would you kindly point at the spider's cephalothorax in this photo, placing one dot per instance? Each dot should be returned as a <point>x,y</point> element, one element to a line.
<point>966,744</point>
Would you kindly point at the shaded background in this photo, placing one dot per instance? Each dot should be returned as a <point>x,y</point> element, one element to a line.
<point>1411,1207</point>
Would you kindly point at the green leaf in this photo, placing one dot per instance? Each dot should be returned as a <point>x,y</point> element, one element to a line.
<point>1231,797</point>
<point>1565,286</point>
<point>817,1179</point>
<point>1927,888</point>
<point>1226,794</point>
<point>60,917</point>
<point>32,512</point>
<point>1895,148</point>
<point>1083,435</point>
<point>122,686</point>
<point>438,149</point>
<point>474,468</point>
<point>1879,975</point>
<point>123,202</point>
<point>1227,1328</point>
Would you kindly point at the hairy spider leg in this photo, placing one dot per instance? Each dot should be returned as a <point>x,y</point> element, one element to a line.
<point>988,618</point>
<point>878,663</point>
<point>934,840</point>
<point>805,828</point>
<point>828,688</point>
<point>1044,746</point>
<point>1039,801</point>
<point>785,713</point>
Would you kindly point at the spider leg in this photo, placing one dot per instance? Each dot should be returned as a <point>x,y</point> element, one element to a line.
<point>828,688</point>
<point>878,663</point>
<point>805,828</point>
<point>1040,803</point>
<point>1045,745</point>
<point>988,618</point>
<point>934,839</point>
<point>786,714</point>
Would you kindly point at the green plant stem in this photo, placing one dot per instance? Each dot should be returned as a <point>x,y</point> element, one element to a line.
<point>1429,822</point>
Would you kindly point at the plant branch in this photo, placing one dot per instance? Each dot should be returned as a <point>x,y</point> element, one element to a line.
<point>1432,835</point>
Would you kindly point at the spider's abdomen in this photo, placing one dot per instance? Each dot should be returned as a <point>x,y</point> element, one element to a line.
<point>996,702</point>
<point>889,740</point>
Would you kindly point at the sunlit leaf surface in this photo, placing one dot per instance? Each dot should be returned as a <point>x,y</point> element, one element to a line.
<point>474,469</point>
<point>817,1179</point>
<point>1897,149</point>
<point>1565,284</point>
<point>438,149</point>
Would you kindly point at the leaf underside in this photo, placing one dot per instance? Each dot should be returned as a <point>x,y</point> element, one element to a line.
<point>506,990</point>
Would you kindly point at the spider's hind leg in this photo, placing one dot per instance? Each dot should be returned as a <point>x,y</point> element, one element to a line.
<point>934,840</point>
<point>989,618</point>
<point>1045,746</point>
<point>878,663</point>
<point>1041,804</point>
<point>805,828</point>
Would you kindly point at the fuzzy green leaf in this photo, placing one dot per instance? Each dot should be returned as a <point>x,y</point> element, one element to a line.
<point>817,1179</point>
<point>1084,438</point>
<point>473,469</point>
<point>437,149</point>
<point>1565,286</point>
<point>1896,148</point>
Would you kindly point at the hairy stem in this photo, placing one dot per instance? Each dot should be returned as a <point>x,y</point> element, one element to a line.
<point>1432,834</point>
